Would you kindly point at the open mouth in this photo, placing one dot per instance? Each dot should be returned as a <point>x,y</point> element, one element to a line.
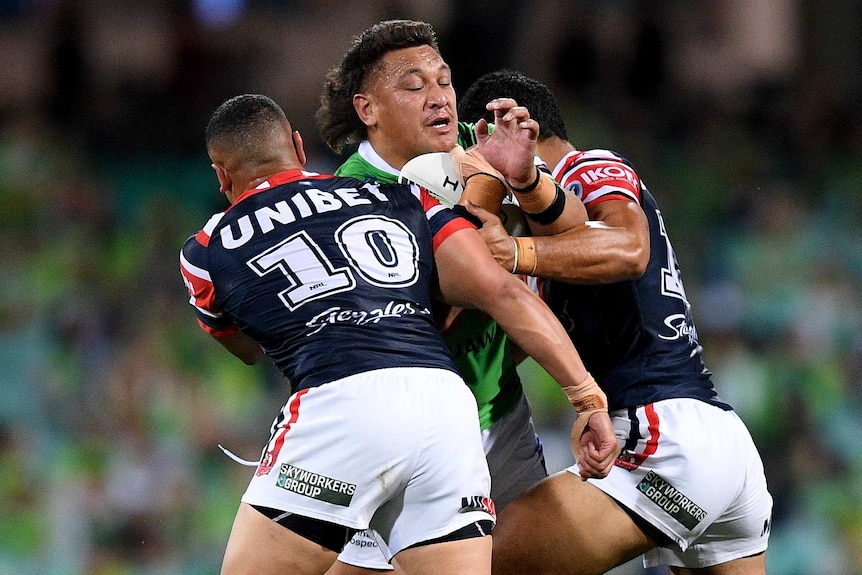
<point>440,122</point>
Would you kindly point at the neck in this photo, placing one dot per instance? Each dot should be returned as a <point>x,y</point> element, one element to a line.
<point>243,184</point>
<point>387,152</point>
<point>552,150</point>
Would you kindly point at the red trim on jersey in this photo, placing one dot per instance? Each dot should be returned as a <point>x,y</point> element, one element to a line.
<point>271,455</point>
<point>597,178</point>
<point>428,201</point>
<point>447,230</point>
<point>632,460</point>
<point>203,238</point>
<point>201,291</point>
<point>279,179</point>
<point>223,332</point>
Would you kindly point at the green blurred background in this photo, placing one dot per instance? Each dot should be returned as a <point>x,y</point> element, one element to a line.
<point>742,116</point>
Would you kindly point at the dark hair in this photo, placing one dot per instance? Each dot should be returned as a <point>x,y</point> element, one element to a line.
<point>532,94</point>
<point>336,118</point>
<point>238,122</point>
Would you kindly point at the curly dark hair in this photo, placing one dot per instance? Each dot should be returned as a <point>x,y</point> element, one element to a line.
<point>337,120</point>
<point>527,92</point>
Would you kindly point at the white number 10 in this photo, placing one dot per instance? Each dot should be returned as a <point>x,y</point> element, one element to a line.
<point>383,251</point>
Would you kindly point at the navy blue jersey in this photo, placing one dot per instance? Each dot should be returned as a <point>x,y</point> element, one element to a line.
<point>637,338</point>
<point>331,276</point>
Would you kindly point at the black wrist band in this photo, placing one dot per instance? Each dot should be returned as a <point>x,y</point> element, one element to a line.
<point>529,188</point>
<point>552,212</point>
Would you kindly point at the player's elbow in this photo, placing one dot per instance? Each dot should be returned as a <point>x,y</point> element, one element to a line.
<point>499,296</point>
<point>626,259</point>
<point>252,358</point>
<point>633,261</point>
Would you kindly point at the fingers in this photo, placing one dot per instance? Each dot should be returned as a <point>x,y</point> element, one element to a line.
<point>484,215</point>
<point>507,110</point>
<point>597,447</point>
<point>481,129</point>
<point>457,154</point>
<point>597,460</point>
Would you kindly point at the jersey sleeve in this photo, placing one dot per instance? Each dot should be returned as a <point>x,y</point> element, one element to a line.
<point>443,220</point>
<point>196,276</point>
<point>599,175</point>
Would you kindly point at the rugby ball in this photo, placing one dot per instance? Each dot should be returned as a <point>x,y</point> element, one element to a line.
<point>514,220</point>
<point>435,173</point>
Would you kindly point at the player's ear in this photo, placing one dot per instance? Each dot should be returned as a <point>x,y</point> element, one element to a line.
<point>364,109</point>
<point>300,148</point>
<point>224,179</point>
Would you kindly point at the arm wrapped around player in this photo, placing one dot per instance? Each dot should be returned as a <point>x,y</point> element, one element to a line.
<point>543,200</point>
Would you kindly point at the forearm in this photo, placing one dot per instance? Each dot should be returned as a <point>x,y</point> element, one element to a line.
<point>547,207</point>
<point>536,331</point>
<point>590,254</point>
<point>530,323</point>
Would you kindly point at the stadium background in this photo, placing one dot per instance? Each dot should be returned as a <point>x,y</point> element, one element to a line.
<point>741,115</point>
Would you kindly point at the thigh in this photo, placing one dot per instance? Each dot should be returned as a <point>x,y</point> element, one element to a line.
<point>564,525</point>
<point>735,537</point>
<point>464,557</point>
<point>261,546</point>
<point>450,486</point>
<point>754,565</point>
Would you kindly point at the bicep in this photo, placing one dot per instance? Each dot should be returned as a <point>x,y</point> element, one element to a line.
<point>242,346</point>
<point>622,214</point>
<point>467,272</point>
<point>628,223</point>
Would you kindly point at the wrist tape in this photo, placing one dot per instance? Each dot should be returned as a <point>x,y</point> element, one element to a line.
<point>526,258</point>
<point>542,201</point>
<point>484,190</point>
<point>587,398</point>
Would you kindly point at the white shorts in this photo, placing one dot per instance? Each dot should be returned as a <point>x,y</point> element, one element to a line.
<point>691,470</point>
<point>398,450</point>
<point>516,462</point>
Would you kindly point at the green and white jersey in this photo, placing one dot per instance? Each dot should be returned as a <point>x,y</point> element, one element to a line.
<point>479,344</point>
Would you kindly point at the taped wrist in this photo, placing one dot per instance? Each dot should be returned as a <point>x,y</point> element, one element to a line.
<point>543,201</point>
<point>526,257</point>
<point>587,398</point>
<point>484,190</point>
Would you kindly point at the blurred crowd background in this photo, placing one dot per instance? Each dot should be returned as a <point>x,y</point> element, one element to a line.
<point>742,116</point>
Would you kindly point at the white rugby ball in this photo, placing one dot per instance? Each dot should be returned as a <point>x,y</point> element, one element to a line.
<point>435,173</point>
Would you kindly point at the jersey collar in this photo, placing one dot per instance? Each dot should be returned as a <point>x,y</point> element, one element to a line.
<point>278,179</point>
<point>367,153</point>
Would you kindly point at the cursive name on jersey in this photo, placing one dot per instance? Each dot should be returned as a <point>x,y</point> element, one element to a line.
<point>339,315</point>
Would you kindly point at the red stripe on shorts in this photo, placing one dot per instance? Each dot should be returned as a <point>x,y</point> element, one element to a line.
<point>271,456</point>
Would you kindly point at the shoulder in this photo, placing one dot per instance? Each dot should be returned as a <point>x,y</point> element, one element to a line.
<point>198,242</point>
<point>598,174</point>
